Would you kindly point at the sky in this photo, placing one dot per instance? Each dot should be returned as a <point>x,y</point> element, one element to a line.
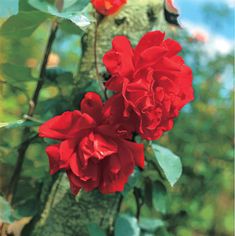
<point>213,18</point>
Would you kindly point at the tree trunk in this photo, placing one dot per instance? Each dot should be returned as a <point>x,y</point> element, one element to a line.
<point>61,213</point>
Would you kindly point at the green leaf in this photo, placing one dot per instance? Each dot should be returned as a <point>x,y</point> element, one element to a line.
<point>25,6</point>
<point>18,124</point>
<point>78,5</point>
<point>22,24</point>
<point>68,3</point>
<point>95,230</point>
<point>57,74</point>
<point>69,27</point>
<point>159,197</point>
<point>72,10</point>
<point>5,211</point>
<point>169,162</point>
<point>133,178</point>
<point>150,225</point>
<point>16,73</point>
<point>126,225</point>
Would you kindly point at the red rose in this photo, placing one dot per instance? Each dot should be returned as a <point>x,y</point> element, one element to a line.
<point>152,80</point>
<point>91,150</point>
<point>107,7</point>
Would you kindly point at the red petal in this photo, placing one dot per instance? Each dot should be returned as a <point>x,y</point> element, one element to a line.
<point>150,39</point>
<point>107,7</point>
<point>173,46</point>
<point>122,44</point>
<point>67,125</point>
<point>114,83</point>
<point>103,147</point>
<point>137,152</point>
<point>92,171</point>
<point>77,183</point>
<point>67,149</point>
<point>92,105</point>
<point>54,158</point>
<point>111,61</point>
<point>119,60</point>
<point>150,56</point>
<point>74,182</point>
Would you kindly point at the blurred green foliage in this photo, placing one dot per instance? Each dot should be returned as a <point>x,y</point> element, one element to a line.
<point>201,201</point>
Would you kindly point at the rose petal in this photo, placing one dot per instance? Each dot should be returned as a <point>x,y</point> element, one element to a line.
<point>150,39</point>
<point>65,126</point>
<point>54,158</point>
<point>137,152</point>
<point>92,105</point>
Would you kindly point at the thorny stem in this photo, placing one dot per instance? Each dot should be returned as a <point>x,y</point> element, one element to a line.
<point>98,19</point>
<point>32,106</point>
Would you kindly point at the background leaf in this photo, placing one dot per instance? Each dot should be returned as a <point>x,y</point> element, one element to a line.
<point>95,230</point>
<point>22,24</point>
<point>72,12</point>
<point>150,225</point>
<point>132,180</point>
<point>5,211</point>
<point>16,73</point>
<point>159,197</point>
<point>126,225</point>
<point>169,162</point>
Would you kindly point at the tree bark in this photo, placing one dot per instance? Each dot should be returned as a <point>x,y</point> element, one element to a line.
<point>61,213</point>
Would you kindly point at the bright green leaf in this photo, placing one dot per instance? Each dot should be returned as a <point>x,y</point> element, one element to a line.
<point>25,6</point>
<point>169,162</point>
<point>95,230</point>
<point>150,224</point>
<point>126,225</point>
<point>18,124</point>
<point>69,27</point>
<point>72,11</point>
<point>22,24</point>
<point>78,5</point>
<point>69,3</point>
<point>159,197</point>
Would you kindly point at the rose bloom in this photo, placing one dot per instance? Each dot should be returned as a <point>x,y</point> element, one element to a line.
<point>94,152</point>
<point>108,7</point>
<point>151,80</point>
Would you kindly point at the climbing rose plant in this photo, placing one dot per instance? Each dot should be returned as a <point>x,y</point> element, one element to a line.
<point>151,84</point>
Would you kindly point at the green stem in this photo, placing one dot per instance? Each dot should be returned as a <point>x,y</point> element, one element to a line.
<point>32,106</point>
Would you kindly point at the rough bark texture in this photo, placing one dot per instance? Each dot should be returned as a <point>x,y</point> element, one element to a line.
<point>133,20</point>
<point>61,214</point>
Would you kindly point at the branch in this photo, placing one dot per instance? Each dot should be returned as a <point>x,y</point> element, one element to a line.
<point>139,201</point>
<point>32,106</point>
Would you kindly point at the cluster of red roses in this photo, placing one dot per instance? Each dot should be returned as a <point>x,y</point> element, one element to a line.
<point>151,84</point>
